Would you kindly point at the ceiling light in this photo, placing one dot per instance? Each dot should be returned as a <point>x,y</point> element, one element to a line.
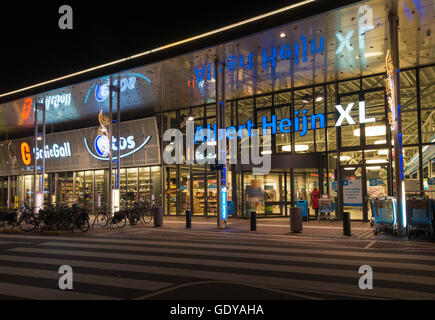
<point>376,161</point>
<point>349,169</point>
<point>373,168</point>
<point>383,142</point>
<point>298,147</point>
<point>266,152</point>
<point>319,98</point>
<point>373,54</point>
<point>383,152</point>
<point>343,158</point>
<point>282,35</point>
<point>372,131</point>
<point>190,117</point>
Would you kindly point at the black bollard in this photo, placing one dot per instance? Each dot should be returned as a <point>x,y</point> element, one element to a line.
<point>253,221</point>
<point>158,216</point>
<point>346,224</point>
<point>188,219</point>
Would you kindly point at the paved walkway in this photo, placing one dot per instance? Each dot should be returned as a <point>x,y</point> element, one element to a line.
<point>275,226</point>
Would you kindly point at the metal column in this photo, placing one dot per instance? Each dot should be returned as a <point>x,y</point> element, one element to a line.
<point>110,144</point>
<point>118,138</point>
<point>38,106</point>
<point>393,22</point>
<point>220,124</point>
<point>35,162</point>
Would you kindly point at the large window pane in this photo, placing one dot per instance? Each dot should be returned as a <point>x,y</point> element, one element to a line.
<point>427,96</point>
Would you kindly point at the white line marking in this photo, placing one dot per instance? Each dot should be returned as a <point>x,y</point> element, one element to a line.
<point>370,244</point>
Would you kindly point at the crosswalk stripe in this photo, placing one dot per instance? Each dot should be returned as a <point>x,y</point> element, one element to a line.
<point>229,247</point>
<point>328,272</point>
<point>12,242</point>
<point>353,253</point>
<point>92,279</point>
<point>38,293</point>
<point>232,264</point>
<point>268,281</point>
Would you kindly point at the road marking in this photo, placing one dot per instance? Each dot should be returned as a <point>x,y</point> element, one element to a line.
<point>370,244</point>
<point>235,264</point>
<point>228,247</point>
<point>257,266</point>
<point>355,252</point>
<point>38,293</point>
<point>268,281</point>
<point>139,284</point>
<point>184,285</point>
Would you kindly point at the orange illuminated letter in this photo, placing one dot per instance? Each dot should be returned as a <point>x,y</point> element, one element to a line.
<point>25,153</point>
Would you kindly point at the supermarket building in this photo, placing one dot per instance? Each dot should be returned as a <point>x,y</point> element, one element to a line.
<point>319,83</point>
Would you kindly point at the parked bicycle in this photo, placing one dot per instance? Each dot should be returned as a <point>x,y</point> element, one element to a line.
<point>8,217</point>
<point>133,212</point>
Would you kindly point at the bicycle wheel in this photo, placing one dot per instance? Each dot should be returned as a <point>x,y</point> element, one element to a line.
<point>27,223</point>
<point>84,225</point>
<point>119,220</point>
<point>147,215</point>
<point>101,219</point>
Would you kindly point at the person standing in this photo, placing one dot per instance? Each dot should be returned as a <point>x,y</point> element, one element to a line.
<point>315,194</point>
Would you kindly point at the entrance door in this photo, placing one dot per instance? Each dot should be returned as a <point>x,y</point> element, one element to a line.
<point>204,188</point>
<point>306,180</point>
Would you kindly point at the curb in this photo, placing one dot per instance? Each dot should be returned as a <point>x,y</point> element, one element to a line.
<point>11,231</point>
<point>51,233</point>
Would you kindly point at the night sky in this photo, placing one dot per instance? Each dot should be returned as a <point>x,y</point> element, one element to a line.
<point>34,49</point>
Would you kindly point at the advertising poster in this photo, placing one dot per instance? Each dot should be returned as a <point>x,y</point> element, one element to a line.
<point>352,192</point>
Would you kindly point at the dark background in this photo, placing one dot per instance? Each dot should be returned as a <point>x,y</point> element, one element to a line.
<point>34,49</point>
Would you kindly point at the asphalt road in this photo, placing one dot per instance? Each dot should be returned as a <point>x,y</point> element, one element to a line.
<point>157,264</point>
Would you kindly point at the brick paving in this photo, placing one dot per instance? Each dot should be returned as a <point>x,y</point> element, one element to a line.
<point>270,226</point>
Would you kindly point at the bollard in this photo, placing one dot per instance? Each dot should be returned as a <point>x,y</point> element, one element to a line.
<point>346,224</point>
<point>158,216</point>
<point>296,219</point>
<point>188,219</point>
<point>253,221</point>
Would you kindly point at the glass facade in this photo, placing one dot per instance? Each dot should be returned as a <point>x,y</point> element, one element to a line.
<point>295,82</point>
<point>365,149</point>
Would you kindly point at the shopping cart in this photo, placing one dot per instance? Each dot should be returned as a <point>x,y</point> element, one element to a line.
<point>419,215</point>
<point>384,214</point>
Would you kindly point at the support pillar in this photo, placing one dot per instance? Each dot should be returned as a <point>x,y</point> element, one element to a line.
<point>221,146</point>
<point>393,76</point>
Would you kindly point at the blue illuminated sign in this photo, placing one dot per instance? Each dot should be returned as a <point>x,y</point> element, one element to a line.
<point>102,89</point>
<point>101,145</point>
<point>300,124</point>
<point>224,214</point>
<point>270,57</point>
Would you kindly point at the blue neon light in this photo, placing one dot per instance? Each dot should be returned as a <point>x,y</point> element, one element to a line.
<point>224,215</point>
<point>270,57</point>
<point>100,90</point>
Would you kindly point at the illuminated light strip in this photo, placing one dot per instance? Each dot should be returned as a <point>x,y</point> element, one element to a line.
<point>232,26</point>
<point>122,156</point>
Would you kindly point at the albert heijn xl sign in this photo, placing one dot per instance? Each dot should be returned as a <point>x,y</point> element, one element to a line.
<point>300,49</point>
<point>83,149</point>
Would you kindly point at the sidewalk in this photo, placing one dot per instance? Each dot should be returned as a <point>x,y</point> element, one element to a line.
<point>279,226</point>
